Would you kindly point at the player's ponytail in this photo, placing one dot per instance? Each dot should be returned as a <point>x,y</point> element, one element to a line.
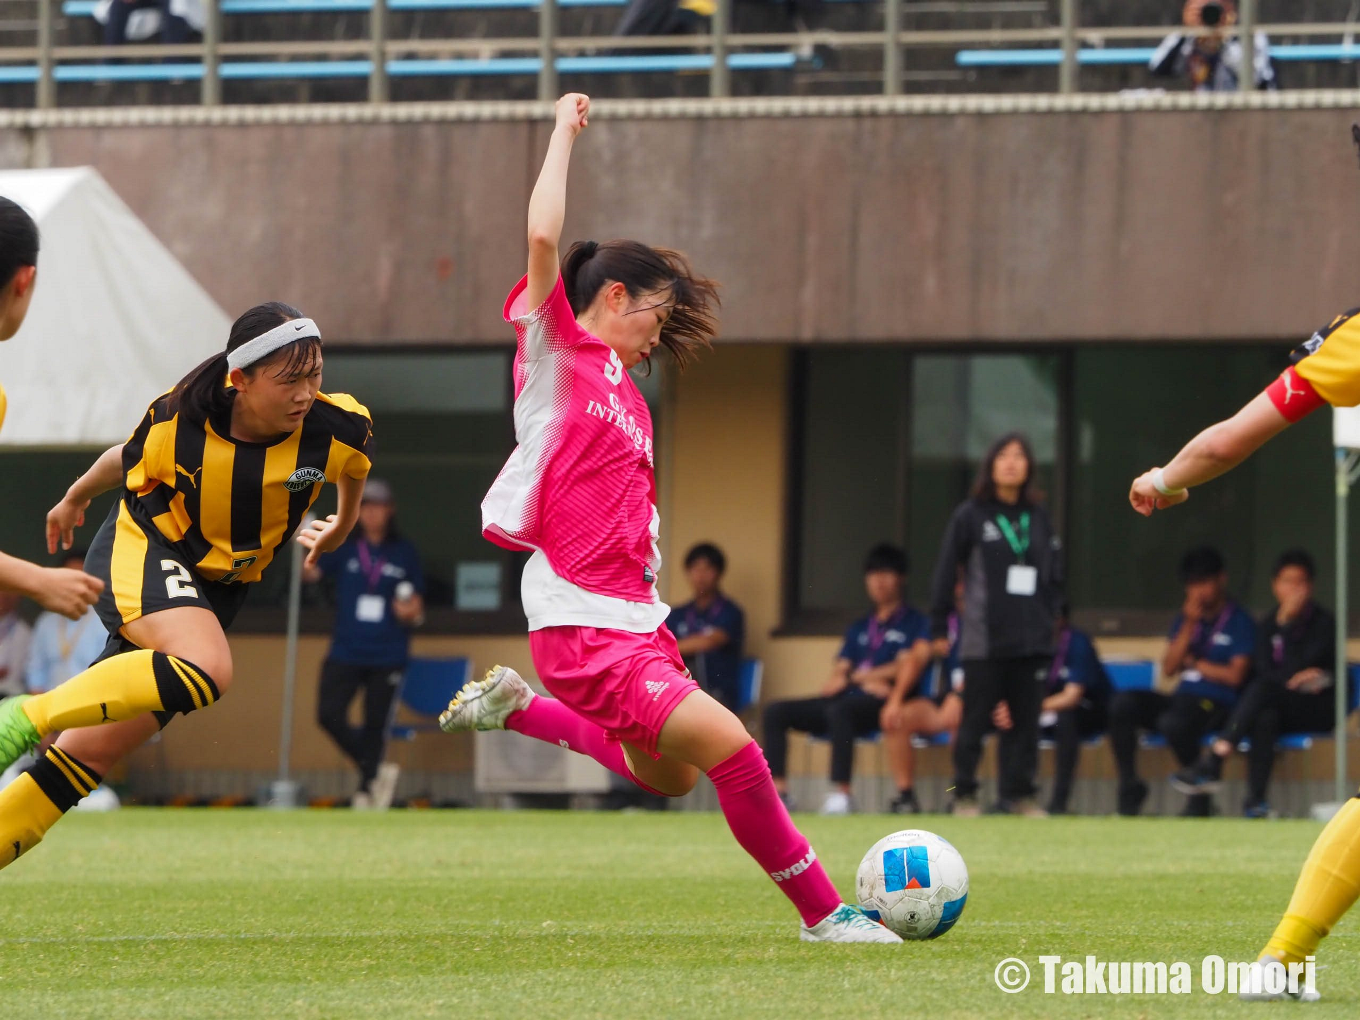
<point>18,240</point>
<point>204,393</point>
<point>589,266</point>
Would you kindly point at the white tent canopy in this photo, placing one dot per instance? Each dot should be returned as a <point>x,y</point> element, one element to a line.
<point>116,319</point>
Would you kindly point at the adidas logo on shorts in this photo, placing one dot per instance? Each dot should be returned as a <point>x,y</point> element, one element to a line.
<point>655,687</point>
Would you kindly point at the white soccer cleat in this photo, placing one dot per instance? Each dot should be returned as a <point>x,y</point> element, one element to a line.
<point>1268,974</point>
<point>847,924</point>
<point>837,803</point>
<point>485,704</point>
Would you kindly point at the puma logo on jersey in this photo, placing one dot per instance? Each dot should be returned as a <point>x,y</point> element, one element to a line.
<point>191,475</point>
<point>17,849</point>
<point>104,707</point>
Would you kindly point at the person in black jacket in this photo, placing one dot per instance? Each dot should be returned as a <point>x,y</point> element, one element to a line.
<point>1002,540</point>
<point>1291,690</point>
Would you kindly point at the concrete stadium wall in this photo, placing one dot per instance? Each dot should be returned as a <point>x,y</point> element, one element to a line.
<point>1233,224</point>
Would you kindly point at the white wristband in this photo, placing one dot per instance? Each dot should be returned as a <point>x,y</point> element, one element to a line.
<point>1159,483</point>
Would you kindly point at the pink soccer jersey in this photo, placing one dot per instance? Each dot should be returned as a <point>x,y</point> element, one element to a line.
<point>579,484</point>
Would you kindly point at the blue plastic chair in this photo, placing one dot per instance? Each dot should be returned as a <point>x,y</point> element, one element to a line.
<point>426,689</point>
<point>748,684</point>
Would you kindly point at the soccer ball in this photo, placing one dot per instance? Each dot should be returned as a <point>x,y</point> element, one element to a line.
<point>914,882</point>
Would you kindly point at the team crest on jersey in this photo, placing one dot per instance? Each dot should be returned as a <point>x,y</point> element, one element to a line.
<point>304,478</point>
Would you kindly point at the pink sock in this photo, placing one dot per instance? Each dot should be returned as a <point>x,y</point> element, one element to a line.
<point>549,720</point>
<point>764,829</point>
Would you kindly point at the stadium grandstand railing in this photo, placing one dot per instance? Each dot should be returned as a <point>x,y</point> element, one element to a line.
<point>1066,42</point>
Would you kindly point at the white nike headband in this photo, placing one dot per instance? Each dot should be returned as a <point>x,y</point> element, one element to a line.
<point>267,343</point>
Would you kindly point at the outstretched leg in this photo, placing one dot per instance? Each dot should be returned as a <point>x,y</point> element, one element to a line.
<point>1328,886</point>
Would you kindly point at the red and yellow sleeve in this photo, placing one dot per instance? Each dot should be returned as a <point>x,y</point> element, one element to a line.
<point>1293,396</point>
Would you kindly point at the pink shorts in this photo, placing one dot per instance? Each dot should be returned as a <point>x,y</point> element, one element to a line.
<point>625,683</point>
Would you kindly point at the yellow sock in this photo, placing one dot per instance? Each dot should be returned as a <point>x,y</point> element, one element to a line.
<point>1328,885</point>
<point>35,801</point>
<point>122,687</point>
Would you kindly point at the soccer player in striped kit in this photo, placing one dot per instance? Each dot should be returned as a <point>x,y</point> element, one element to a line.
<point>579,492</point>
<point>1326,370</point>
<point>218,475</point>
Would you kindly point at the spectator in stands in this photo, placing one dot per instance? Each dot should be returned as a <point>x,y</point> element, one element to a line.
<point>711,628</point>
<point>15,637</point>
<point>665,17</point>
<point>883,655</point>
<point>378,598</point>
<point>1004,542</point>
<point>127,21</point>
<point>1075,706</point>
<point>928,713</point>
<point>1291,690</point>
<point>1208,659</point>
<point>1213,62</point>
<point>61,647</point>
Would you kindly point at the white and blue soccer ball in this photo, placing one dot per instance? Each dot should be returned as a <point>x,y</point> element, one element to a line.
<point>914,882</point>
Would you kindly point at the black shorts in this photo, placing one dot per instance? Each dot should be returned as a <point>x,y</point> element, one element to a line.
<point>143,574</point>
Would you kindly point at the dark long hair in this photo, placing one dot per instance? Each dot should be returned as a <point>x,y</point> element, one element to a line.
<point>203,393</point>
<point>18,240</point>
<point>984,488</point>
<point>589,265</point>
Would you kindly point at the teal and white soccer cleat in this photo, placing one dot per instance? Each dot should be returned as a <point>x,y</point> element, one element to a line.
<point>17,735</point>
<point>485,704</point>
<point>847,924</point>
<point>1258,984</point>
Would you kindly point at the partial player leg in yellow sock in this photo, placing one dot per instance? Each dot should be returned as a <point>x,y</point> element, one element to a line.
<point>122,687</point>
<point>1328,885</point>
<point>35,801</point>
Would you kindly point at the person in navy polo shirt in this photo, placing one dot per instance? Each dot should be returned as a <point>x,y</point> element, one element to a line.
<point>710,630</point>
<point>1209,655</point>
<point>1075,706</point>
<point>883,654</point>
<point>378,589</point>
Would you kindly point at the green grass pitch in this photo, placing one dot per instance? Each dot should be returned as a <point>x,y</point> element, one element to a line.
<point>151,914</point>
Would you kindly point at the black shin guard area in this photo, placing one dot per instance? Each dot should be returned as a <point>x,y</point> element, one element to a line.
<point>64,780</point>
<point>182,686</point>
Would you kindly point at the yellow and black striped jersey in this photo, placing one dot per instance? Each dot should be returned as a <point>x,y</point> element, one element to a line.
<point>228,505</point>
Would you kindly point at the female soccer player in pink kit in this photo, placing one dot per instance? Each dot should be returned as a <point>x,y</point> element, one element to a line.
<point>579,492</point>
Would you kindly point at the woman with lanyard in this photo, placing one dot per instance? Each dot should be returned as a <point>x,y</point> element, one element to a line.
<point>1003,542</point>
<point>378,595</point>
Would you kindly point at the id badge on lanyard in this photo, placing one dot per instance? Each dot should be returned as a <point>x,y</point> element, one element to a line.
<point>1021,578</point>
<point>370,607</point>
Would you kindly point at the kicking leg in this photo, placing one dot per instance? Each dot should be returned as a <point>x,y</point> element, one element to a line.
<point>701,732</point>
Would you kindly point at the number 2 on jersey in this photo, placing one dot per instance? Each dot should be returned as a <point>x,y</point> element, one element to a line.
<point>179,584</point>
